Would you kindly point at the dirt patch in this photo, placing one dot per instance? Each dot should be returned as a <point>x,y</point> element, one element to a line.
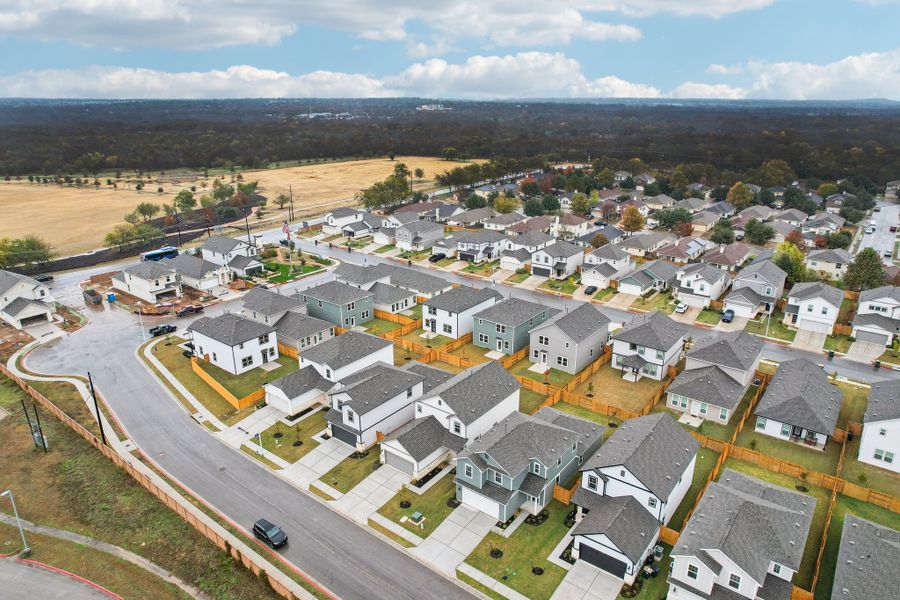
<point>11,340</point>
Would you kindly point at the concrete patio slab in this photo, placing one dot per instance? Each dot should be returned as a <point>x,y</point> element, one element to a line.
<point>811,341</point>
<point>494,355</point>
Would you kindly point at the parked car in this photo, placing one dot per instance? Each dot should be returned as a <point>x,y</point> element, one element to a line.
<point>728,316</point>
<point>272,535</point>
<point>600,223</point>
<point>893,228</point>
<point>43,277</point>
<point>653,225</point>
<point>162,330</point>
<point>190,309</point>
<point>876,209</point>
<point>283,242</point>
<point>590,290</point>
<point>870,229</point>
<point>187,353</point>
<point>888,254</point>
<point>681,308</point>
<point>436,257</point>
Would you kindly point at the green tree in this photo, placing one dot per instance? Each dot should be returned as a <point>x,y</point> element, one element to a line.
<point>24,252</point>
<point>865,272</point>
<point>599,240</point>
<point>419,173</point>
<point>740,196</point>
<point>473,201</point>
<point>534,207</point>
<point>505,204</point>
<point>632,220</point>
<point>550,203</point>
<point>185,201</point>
<point>757,232</point>
<point>580,204</point>
<point>722,232</point>
<point>670,217</point>
<point>791,260</point>
<point>775,172</point>
<point>841,239</point>
<point>605,177</point>
<point>853,215</point>
<point>132,218</point>
<point>827,189</point>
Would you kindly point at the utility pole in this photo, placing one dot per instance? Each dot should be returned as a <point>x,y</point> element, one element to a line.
<point>40,430</point>
<point>247,224</point>
<point>291,209</point>
<point>26,550</point>
<point>97,409</point>
<point>177,224</point>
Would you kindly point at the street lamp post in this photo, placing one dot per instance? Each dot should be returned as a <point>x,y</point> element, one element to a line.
<point>26,550</point>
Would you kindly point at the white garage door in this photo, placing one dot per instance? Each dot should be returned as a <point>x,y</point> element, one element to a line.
<point>510,263</point>
<point>810,325</point>
<point>740,310</point>
<point>629,288</point>
<point>482,503</point>
<point>398,462</point>
<point>594,278</point>
<point>872,337</point>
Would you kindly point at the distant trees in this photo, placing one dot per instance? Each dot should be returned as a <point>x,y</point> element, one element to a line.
<point>24,252</point>
<point>740,196</point>
<point>419,173</point>
<point>670,217</point>
<point>281,200</point>
<point>390,192</point>
<point>533,207</point>
<point>124,237</point>
<point>504,204</point>
<point>185,201</point>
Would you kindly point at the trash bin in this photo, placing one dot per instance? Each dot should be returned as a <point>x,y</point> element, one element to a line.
<point>877,364</point>
<point>830,354</point>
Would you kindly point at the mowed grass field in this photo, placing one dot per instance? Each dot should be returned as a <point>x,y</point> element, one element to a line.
<point>75,220</point>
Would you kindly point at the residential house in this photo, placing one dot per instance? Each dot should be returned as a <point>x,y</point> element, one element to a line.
<point>782,230</point>
<point>569,227</point>
<point>728,257</point>
<point>418,235</point>
<point>557,261</point>
<point>501,222</point>
<point>570,340</point>
<point>646,244</point>
<point>517,250</point>
<point>724,209</point>
<point>478,246</point>
<point>398,219</point>
<point>879,443</point>
<point>620,176</point>
<point>233,343</point>
<point>813,306</point>
<point>339,217</point>
<point>392,299</point>
<point>366,226</point>
<point>426,209</point>
<point>639,204</point>
<point>268,307</point>
<point>704,220</point>
<point>516,463</point>
<point>610,232</point>
<point>385,236</point>
<point>656,275</point>
<point>659,202</point>
<point>778,191</point>
<point>364,277</point>
<point>832,262</point>
<point>473,217</point>
<point>745,539</point>
<point>877,318</point>
<point>865,561</point>
<point>629,488</point>
<point>238,255</point>
<point>199,273</point>
<point>24,301</point>
<point>450,313</point>
<point>686,249</point>
<point>755,289</point>
<point>835,202</point>
<point>504,326</point>
<point>694,205</point>
<point>297,391</point>
<point>822,224</point>
<point>542,223</point>
<point>697,189</point>
<point>148,281</point>
<point>342,355</point>
<point>648,346</point>
<point>793,216</point>
<point>246,266</point>
<point>605,264</point>
<point>717,374</point>
<point>757,211</point>
<point>699,283</point>
<point>799,405</point>
<point>644,179</point>
<point>338,303</point>
<point>298,331</point>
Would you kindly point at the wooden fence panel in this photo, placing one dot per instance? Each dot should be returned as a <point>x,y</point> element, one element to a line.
<point>238,403</point>
<point>668,536</point>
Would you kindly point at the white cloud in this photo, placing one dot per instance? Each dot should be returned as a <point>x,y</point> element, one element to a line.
<point>717,69</point>
<point>720,91</point>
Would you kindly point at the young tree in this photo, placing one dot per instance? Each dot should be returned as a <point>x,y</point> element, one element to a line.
<point>281,200</point>
<point>419,173</point>
<point>599,240</point>
<point>840,239</point>
<point>740,196</point>
<point>473,200</point>
<point>632,220</point>
<point>791,260</point>
<point>605,177</point>
<point>580,204</point>
<point>684,229</point>
<point>865,272</point>
<point>722,232</point>
<point>24,252</point>
<point>757,232</point>
<point>185,201</point>
<point>550,203</point>
<point>505,204</point>
<point>795,237</point>
<point>534,207</point>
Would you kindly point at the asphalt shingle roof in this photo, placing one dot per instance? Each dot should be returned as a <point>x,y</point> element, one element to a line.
<point>816,289</point>
<point>432,375</point>
<point>267,302</point>
<point>8,279</point>
<point>221,244</point>
<point>867,562</point>
<point>476,390</point>
<point>149,270</point>
<point>296,326</point>
<point>561,250</point>
<point>765,270</point>
<point>799,394</point>
<point>242,262</point>
<point>884,401</point>
<point>336,292</point>
<point>885,291</point>
<point>622,519</point>
<point>20,304</point>
<point>462,298</point>
<point>610,252</point>
<point>580,323</point>
<point>388,294</point>
<point>531,238</point>
<point>836,255</point>
<point>230,329</point>
<point>736,349</point>
<point>513,312</point>
<point>302,381</point>
<point>652,330</point>
<point>187,265</point>
<point>421,437</point>
<point>374,385</point>
<point>708,384</point>
<point>345,349</point>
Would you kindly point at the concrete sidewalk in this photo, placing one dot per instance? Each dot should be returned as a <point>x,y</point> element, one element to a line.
<point>454,539</point>
<point>318,462</point>
<point>371,493</point>
<point>248,427</point>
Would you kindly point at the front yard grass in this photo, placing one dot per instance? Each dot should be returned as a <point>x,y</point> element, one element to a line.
<point>706,460</point>
<point>866,475</point>
<point>247,383</point>
<point>853,408</point>
<point>349,472</point>
<point>529,400</point>
<point>383,249</point>
<point>777,329</point>
<point>661,301</point>
<point>838,343</point>
<point>709,316</point>
<point>471,352</point>
<point>607,386</point>
<point>605,294</point>
<point>517,277</point>
<point>445,262</point>
<point>379,326</point>
<point>485,269</point>
<point>415,256</point>
<point>890,356</point>
<point>553,377</point>
<point>824,461</point>
<point>527,547</point>
<point>432,504</point>
<point>302,430</point>
<point>284,272</point>
<point>563,286</point>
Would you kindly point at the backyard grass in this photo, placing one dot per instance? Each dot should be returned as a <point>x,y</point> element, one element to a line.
<point>529,400</point>
<point>838,343</point>
<point>416,312</point>
<point>563,286</point>
<point>285,273</point>
<point>706,460</point>
<point>528,546</point>
<point>432,504</point>
<point>384,249</point>
<point>853,408</point>
<point>485,269</point>
<point>471,352</point>
<point>776,328</point>
<point>824,461</point>
<point>302,430</point>
<point>247,383</point>
<point>349,472</point>
<point>660,301</point>
<point>415,336</point>
<point>445,366</point>
<point>711,428</point>
<point>379,326</point>
<point>866,475</point>
<point>590,416</point>
<point>518,277</point>
<point>710,317</point>
<point>604,294</point>
<point>804,576</point>
<point>655,587</point>
<point>553,377</point>
<point>401,356</point>
<point>610,388</point>
<point>169,354</point>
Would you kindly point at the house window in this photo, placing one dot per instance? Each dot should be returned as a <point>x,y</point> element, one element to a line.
<point>409,393</point>
<point>785,429</point>
<point>704,407</point>
<point>776,568</point>
<point>640,350</point>
<point>659,355</point>
<point>535,354</point>
<point>536,467</point>
<point>622,473</point>
<point>246,361</point>
<point>481,321</point>
<point>327,373</point>
<point>567,344</point>
<point>320,304</point>
<point>760,422</point>
<point>883,455</point>
<point>351,305</point>
<point>214,357</point>
<point>809,308</point>
<point>240,346</point>
<point>468,471</point>
<point>824,310</point>
<point>562,361</point>
<point>559,461</point>
<point>419,409</point>
<point>734,581</point>
<point>693,571</point>
<point>543,340</point>
<point>723,414</point>
<point>364,314</point>
<point>498,478</point>
<point>593,482</point>
<point>501,328</point>
<point>350,416</point>
<point>483,338</point>
<point>432,310</point>
<point>263,339</point>
<point>651,502</point>
<point>457,428</point>
<point>448,328</point>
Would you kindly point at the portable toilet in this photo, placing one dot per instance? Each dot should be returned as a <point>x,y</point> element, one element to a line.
<point>111,297</point>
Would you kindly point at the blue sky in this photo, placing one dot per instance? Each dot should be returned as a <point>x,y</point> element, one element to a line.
<point>830,49</point>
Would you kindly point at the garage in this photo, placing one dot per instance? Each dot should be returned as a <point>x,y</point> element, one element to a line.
<point>482,503</point>
<point>541,271</point>
<point>603,561</point>
<point>398,462</point>
<point>810,325</point>
<point>348,437</point>
<point>467,256</point>
<point>873,337</point>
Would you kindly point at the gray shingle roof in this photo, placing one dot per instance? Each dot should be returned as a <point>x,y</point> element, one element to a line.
<point>605,269</point>
<point>513,312</point>
<point>736,349</point>
<point>799,394</point>
<point>302,381</point>
<point>267,302</point>
<point>745,295</point>
<point>422,227</point>
<point>885,291</point>
<point>791,214</point>
<point>21,303</point>
<point>660,269</point>
<point>653,330</point>
<point>432,375</point>
<point>643,241</point>
<point>706,272</point>
<point>230,329</point>
<point>462,298</point>
<point>345,349</point>
<point>522,255</point>
<point>221,244</point>
<point>589,432</point>
<point>727,255</point>
<point>480,236</point>
<point>388,294</point>
<point>416,281</point>
<point>708,384</point>
<point>884,401</point>
<point>242,262</point>
<point>610,252</point>
<point>149,270</point>
<point>421,437</point>
<point>654,448</point>
<point>816,289</point>
<point>295,326</point>
<point>187,265</point>
<point>867,562</point>
<point>476,390</point>
<point>622,519</point>
<point>879,320</point>
<point>359,275</point>
<point>343,211</point>
<point>752,522</point>
<point>374,385</point>
<point>476,214</point>
<point>531,238</point>
<point>336,292</point>
<point>8,279</point>
<point>506,219</point>
<point>580,323</point>
<point>765,270</point>
<point>836,255</point>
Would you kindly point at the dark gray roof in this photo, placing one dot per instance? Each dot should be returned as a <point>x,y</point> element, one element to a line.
<point>885,291</point>
<point>416,281</point>
<point>8,279</point>
<point>296,326</point>
<point>479,236</point>
<point>242,262</point>
<point>230,329</point>
<point>191,266</point>
<point>750,521</point>
<point>884,401</point>
<point>642,241</point>
<point>345,349</point>
<point>388,294</point>
<point>476,390</point>
<point>149,270</point>
<point>534,237</point>
<point>622,519</point>
<point>721,207</point>
<point>221,244</point>
<point>590,432</point>
<point>746,295</point>
<point>432,375</point>
<point>799,394</point>
<point>706,272</point>
<point>267,302</point>
<point>421,437</point>
<point>610,252</point>
<point>727,255</point>
<point>20,304</point>
<point>476,214</point>
<point>708,384</point>
<point>791,214</point>
<point>462,298</point>
<point>736,349</point>
<point>816,289</point>
<point>506,219</point>
<point>653,330</point>
<point>765,270</point>
<point>660,269</point>
<point>422,226</point>
<point>879,320</point>
<point>836,255</point>
<point>561,250</point>
<point>580,323</point>
<point>513,312</point>
<point>358,275</point>
<point>336,292</point>
<point>343,211</point>
<point>654,448</point>
<point>374,385</point>
<point>302,381</point>
<point>522,255</point>
<point>867,562</point>
<point>605,269</point>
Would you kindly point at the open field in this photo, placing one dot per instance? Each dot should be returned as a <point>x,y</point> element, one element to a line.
<point>76,219</point>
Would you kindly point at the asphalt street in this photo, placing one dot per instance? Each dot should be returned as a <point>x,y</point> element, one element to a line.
<point>20,581</point>
<point>882,240</point>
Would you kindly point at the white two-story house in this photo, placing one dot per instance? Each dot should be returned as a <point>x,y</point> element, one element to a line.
<point>756,288</point>
<point>450,313</point>
<point>149,281</point>
<point>478,246</point>
<point>877,319</point>
<point>698,283</point>
<point>605,264</point>
<point>345,354</point>
<point>832,262</point>
<point>648,346</point>
<point>233,343</point>
<point>880,441</point>
<point>813,306</point>
<point>23,300</point>
<point>337,219</point>
<point>239,256</point>
<point>557,261</point>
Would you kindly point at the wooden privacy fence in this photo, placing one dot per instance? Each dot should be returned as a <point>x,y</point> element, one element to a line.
<point>510,359</point>
<point>238,403</point>
<point>564,495</point>
<point>393,318</point>
<point>287,350</point>
<point>842,329</point>
<point>668,536</point>
<point>147,483</point>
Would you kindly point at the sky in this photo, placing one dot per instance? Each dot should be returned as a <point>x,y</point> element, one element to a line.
<point>453,49</point>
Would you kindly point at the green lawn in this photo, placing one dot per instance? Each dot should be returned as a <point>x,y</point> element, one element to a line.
<point>867,475</point>
<point>554,377</point>
<point>416,256</point>
<point>439,364</point>
<point>432,504</point>
<point>384,249</point>
<point>471,352</point>
<point>416,312</point>
<point>349,472</point>
<point>776,328</point>
<point>607,385</point>
<point>838,343</point>
<point>358,242</point>
<point>285,273</point>
<point>661,301</point>
<point>706,460</point>
<point>890,356</point>
<point>590,416</point>
<point>528,400</point>
<point>528,546</point>
<point>854,405</point>
<point>563,286</point>
<point>445,262</point>
<point>435,342</point>
<point>518,277</point>
<point>709,316</point>
<point>604,294</point>
<point>381,326</point>
<point>283,447</point>
<point>815,460</point>
<point>485,269</point>
<point>804,576</point>
<point>247,383</point>
<point>655,587</point>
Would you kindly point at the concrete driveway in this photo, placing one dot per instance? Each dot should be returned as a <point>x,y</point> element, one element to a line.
<point>455,266</point>
<point>736,324</point>
<point>580,296</point>
<point>864,352</point>
<point>621,301</point>
<point>371,493</point>
<point>532,283</point>
<point>454,539</point>
<point>318,462</point>
<point>501,275</point>
<point>584,581</point>
<point>688,317</point>
<point>811,341</point>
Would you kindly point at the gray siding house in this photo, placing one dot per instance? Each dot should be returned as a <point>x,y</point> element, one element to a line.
<point>570,341</point>
<point>418,235</point>
<point>504,326</point>
<point>339,303</point>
